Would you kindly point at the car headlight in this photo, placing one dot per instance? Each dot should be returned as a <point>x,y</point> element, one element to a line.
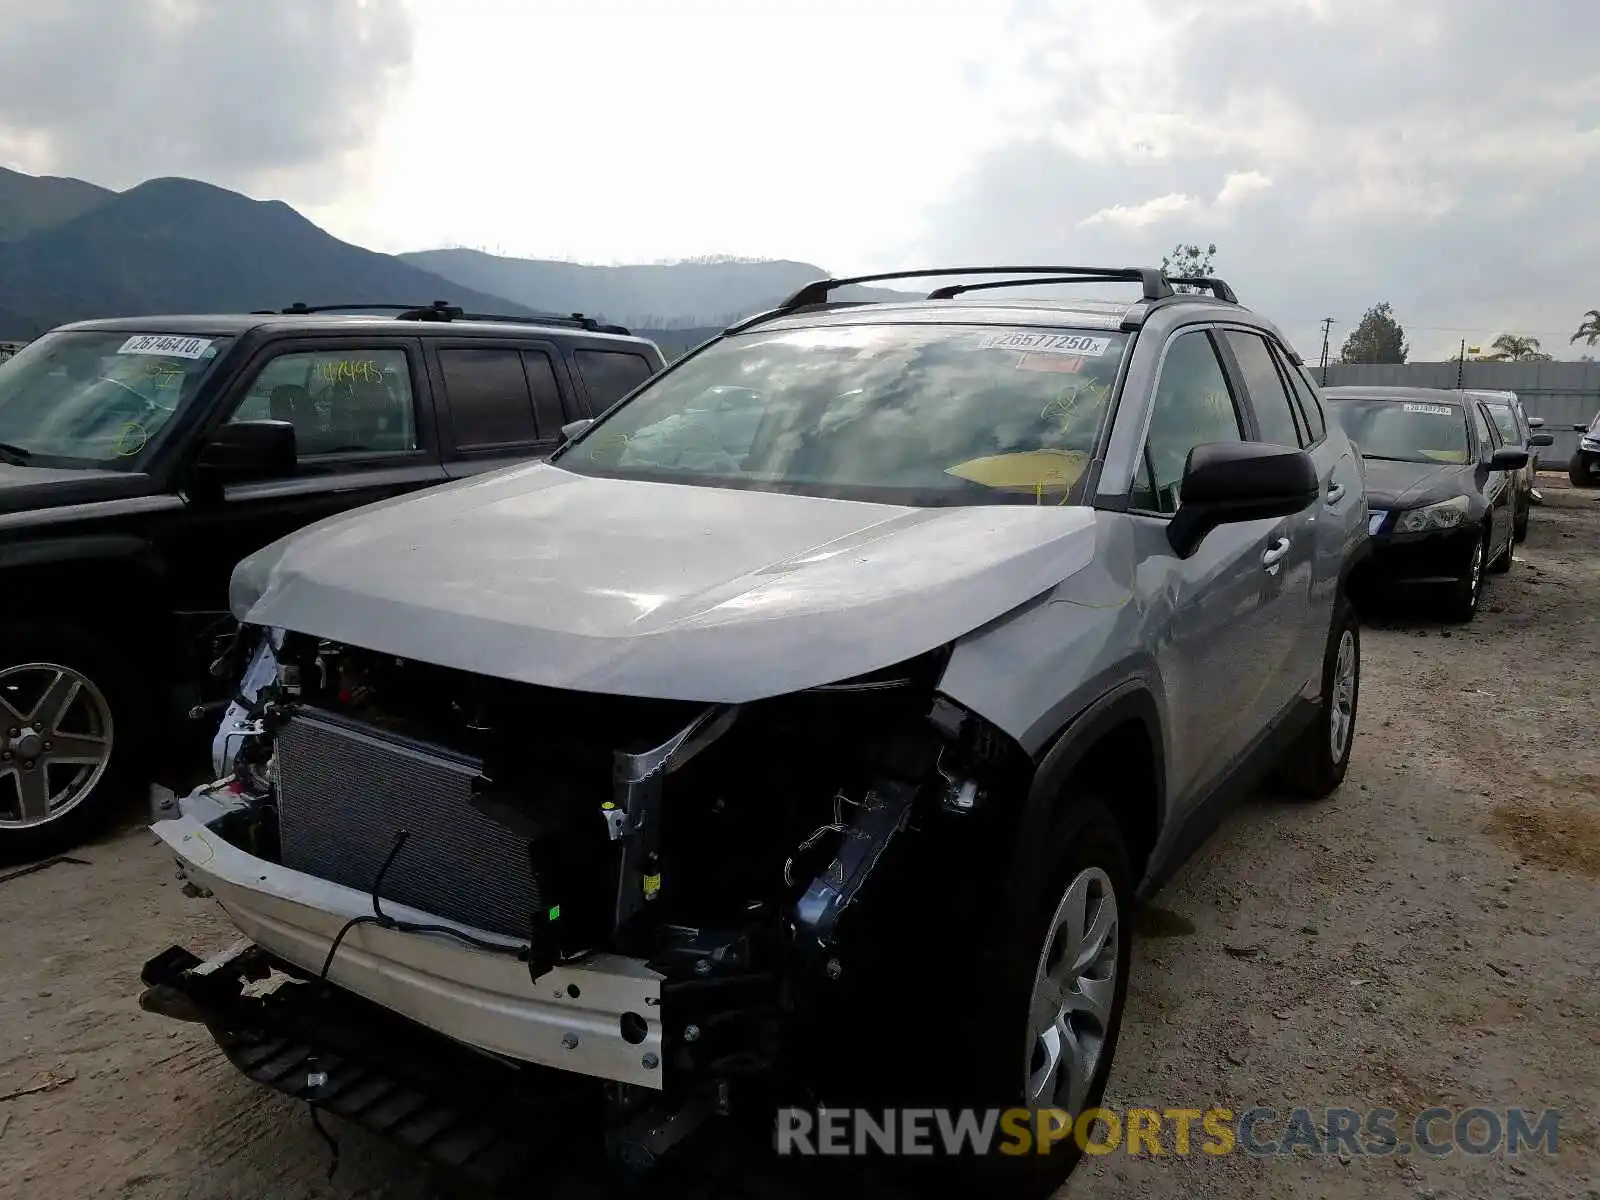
<point>1447,514</point>
<point>1590,443</point>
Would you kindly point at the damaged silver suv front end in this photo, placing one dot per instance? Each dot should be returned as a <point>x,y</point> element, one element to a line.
<point>640,904</point>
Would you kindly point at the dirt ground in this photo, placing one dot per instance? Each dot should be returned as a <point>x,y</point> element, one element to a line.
<point>1430,935</point>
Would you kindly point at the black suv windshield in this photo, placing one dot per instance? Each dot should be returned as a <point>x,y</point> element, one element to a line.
<point>97,398</point>
<point>903,414</point>
<point>1405,431</point>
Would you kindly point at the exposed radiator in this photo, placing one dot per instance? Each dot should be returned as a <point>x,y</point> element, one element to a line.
<point>343,792</point>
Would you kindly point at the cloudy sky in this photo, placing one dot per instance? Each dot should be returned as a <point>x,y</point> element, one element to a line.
<point>1443,155</point>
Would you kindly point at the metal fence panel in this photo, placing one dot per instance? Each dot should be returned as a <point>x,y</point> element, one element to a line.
<point>1563,393</point>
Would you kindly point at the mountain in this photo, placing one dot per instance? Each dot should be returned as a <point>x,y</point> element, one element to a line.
<point>31,204</point>
<point>177,245</point>
<point>655,296</point>
<point>70,250</point>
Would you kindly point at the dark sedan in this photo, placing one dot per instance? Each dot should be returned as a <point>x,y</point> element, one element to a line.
<point>1439,488</point>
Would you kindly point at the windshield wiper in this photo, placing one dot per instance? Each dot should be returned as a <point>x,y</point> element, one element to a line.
<point>16,456</point>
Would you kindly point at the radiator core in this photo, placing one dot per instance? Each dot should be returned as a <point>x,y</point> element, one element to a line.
<point>345,789</point>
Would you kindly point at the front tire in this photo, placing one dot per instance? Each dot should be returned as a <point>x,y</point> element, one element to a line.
<point>1465,593</point>
<point>1519,526</point>
<point>1046,1035</point>
<point>1315,765</point>
<point>69,735</point>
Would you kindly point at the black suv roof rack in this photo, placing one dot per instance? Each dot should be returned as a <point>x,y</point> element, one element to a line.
<point>1208,283</point>
<point>1154,283</point>
<point>443,310</point>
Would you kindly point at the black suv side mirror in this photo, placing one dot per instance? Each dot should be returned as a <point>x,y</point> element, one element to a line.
<point>1507,459</point>
<point>1541,439</point>
<point>246,450</point>
<point>1225,482</point>
<point>573,428</point>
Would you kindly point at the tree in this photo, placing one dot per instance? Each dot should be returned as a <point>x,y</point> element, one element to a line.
<point>1188,262</point>
<point>1378,338</point>
<point>1513,347</point>
<point>1589,330</point>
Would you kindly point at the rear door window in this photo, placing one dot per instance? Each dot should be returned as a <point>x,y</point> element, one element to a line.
<point>1305,396</point>
<point>609,375</point>
<point>500,396</point>
<point>1274,416</point>
<point>490,404</point>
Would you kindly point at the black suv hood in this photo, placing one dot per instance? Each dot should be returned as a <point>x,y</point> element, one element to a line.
<point>24,488</point>
<point>1411,484</point>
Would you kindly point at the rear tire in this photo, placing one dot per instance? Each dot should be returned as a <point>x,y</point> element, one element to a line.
<point>70,734</point>
<point>1315,764</point>
<point>1502,564</point>
<point>1519,526</point>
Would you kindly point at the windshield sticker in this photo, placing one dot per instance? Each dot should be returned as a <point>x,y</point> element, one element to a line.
<point>350,371</point>
<point>168,345</point>
<point>134,438</point>
<point>1065,364</point>
<point>1078,344</point>
<point>1433,410</point>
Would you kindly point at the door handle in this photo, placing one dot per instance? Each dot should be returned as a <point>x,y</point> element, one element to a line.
<point>1335,493</point>
<point>1273,555</point>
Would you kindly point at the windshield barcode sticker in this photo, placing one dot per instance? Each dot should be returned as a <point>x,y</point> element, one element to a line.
<point>1433,410</point>
<point>167,345</point>
<point>1047,343</point>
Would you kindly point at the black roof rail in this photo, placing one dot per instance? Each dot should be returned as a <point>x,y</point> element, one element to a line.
<point>951,291</point>
<point>443,310</point>
<point>1208,283</point>
<point>1151,279</point>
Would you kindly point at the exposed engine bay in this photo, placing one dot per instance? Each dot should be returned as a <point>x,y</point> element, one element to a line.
<point>757,858</point>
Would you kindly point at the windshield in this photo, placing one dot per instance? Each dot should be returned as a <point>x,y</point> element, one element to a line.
<point>901,414</point>
<point>96,398</point>
<point>1405,432</point>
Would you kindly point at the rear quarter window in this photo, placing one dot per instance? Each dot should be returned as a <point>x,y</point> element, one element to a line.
<point>609,375</point>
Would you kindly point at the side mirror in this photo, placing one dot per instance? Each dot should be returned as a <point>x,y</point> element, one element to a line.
<point>1542,439</point>
<point>1226,482</point>
<point>1580,429</point>
<point>1508,459</point>
<point>573,428</point>
<point>246,450</point>
<point>1535,422</point>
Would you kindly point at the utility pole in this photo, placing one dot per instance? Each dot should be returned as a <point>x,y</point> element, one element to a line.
<point>1327,324</point>
<point>1461,366</point>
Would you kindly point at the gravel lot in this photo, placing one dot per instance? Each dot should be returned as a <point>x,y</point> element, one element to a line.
<point>1428,936</point>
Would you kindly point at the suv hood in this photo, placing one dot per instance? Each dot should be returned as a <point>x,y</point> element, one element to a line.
<point>542,576</point>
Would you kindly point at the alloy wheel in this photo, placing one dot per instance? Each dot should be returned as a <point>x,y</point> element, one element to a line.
<point>56,737</point>
<point>1074,988</point>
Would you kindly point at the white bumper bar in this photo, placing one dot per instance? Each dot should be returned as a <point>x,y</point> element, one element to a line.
<point>572,1019</point>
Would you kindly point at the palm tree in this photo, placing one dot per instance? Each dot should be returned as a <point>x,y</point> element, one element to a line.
<point>1513,347</point>
<point>1589,330</point>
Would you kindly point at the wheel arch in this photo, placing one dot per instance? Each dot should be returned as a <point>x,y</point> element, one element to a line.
<point>1112,749</point>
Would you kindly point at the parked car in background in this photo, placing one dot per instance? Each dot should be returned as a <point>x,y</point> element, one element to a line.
<point>1516,428</point>
<point>141,458</point>
<point>1440,487</point>
<point>1583,469</point>
<point>656,754</point>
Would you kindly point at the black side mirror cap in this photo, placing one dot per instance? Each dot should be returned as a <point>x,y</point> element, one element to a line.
<point>246,450</point>
<point>1227,482</point>
<point>1541,439</point>
<point>1508,459</point>
<point>573,428</point>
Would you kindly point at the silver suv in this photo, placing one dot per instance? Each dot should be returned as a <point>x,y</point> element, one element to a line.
<point>695,760</point>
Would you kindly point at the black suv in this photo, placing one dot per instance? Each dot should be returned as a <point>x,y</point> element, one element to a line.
<point>141,458</point>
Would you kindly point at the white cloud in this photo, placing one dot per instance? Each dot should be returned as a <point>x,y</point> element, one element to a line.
<point>1163,209</point>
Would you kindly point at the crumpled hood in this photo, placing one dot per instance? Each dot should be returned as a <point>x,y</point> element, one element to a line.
<point>647,589</point>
